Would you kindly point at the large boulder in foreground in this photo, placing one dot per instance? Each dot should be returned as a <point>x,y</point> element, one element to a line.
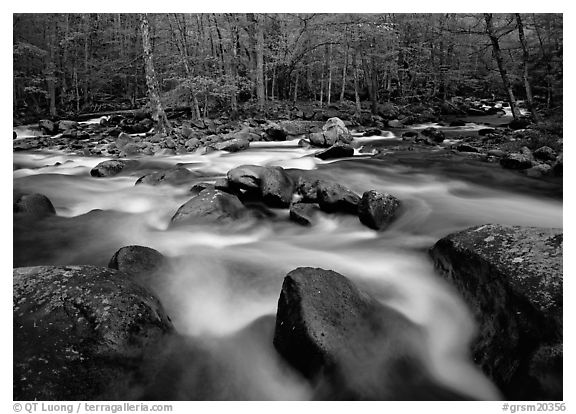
<point>37,205</point>
<point>137,261</point>
<point>377,210</point>
<point>335,198</point>
<point>512,278</point>
<point>276,187</point>
<point>349,345</point>
<point>210,206</point>
<point>83,333</point>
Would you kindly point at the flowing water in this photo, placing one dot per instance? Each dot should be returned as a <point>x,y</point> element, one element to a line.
<point>224,278</point>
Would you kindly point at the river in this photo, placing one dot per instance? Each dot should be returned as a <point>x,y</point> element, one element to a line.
<point>226,277</point>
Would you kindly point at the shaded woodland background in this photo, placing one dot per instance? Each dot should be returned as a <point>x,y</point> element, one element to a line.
<point>67,64</point>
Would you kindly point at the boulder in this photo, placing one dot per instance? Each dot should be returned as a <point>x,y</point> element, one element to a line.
<point>409,135</point>
<point>511,277</point>
<point>538,170</point>
<point>558,166</point>
<point>276,187</point>
<point>37,205</point>
<point>192,143</point>
<point>303,213</point>
<point>275,132</point>
<point>317,139</point>
<point>83,333</point>
<point>335,131</point>
<point>545,153</point>
<point>122,140</point>
<point>232,145</point>
<point>197,188</point>
<point>349,345</point>
<point>108,168</point>
<point>336,151</point>
<point>137,261</point>
<point>485,131</point>
<point>245,177</point>
<point>466,148</point>
<point>48,127</point>
<point>210,206</point>
<point>515,161</point>
<point>174,176</point>
<point>66,125</point>
<point>377,210</point>
<point>394,123</point>
<point>335,198</point>
<point>434,134</point>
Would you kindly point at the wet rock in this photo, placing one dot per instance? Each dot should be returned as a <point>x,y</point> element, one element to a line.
<point>377,210</point>
<point>197,188</point>
<point>394,123</point>
<point>558,166</point>
<point>192,143</point>
<point>485,131</point>
<point>335,198</point>
<point>515,161</point>
<point>317,139</point>
<point>276,187</point>
<point>347,344</point>
<point>335,131</point>
<point>512,278</point>
<point>458,123</point>
<point>48,127</point>
<point>545,153</point>
<point>83,333</point>
<point>245,177</point>
<point>137,261</point>
<point>434,134</point>
<point>108,168</point>
<point>14,135</point>
<point>174,176</point>
<point>496,153</point>
<point>466,148</point>
<point>66,125</point>
<point>303,213</point>
<point>336,151</point>
<point>37,205</point>
<point>538,170</point>
<point>122,140</point>
<point>275,132</point>
<point>232,145</point>
<point>409,135</point>
<point>210,206</point>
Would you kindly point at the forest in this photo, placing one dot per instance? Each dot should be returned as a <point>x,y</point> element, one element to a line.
<point>67,64</point>
<point>300,206</point>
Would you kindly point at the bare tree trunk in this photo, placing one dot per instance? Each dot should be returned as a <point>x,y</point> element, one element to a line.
<point>329,75</point>
<point>500,62</point>
<point>525,74</point>
<point>260,61</point>
<point>356,95</point>
<point>51,78</point>
<point>234,66</point>
<point>344,70</point>
<point>158,114</point>
<point>86,61</point>
<point>296,87</point>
